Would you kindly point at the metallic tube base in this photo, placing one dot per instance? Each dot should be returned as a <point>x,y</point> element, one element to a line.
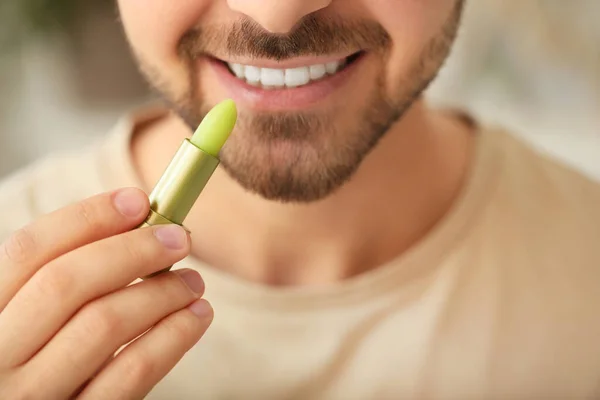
<point>154,219</point>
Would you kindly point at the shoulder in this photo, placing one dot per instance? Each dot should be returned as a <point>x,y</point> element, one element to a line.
<point>539,236</point>
<point>539,231</point>
<point>530,267</point>
<point>526,198</point>
<point>543,193</point>
<point>542,212</point>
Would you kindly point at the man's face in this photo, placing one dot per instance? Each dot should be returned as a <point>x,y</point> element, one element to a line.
<point>318,82</point>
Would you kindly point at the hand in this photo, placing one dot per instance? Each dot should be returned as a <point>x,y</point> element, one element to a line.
<point>68,305</point>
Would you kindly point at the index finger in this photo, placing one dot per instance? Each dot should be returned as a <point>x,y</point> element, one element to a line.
<point>64,230</point>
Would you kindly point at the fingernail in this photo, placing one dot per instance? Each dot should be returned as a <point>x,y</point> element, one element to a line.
<point>128,202</point>
<point>202,309</point>
<point>171,236</point>
<point>192,279</point>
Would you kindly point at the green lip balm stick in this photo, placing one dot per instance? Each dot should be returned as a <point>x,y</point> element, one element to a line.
<point>190,170</point>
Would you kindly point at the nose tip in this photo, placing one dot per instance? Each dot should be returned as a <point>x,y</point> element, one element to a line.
<point>277,16</point>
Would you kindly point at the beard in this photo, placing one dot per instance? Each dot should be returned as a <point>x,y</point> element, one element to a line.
<point>304,156</point>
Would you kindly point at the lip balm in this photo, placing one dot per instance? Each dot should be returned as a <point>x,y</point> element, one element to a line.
<point>190,169</point>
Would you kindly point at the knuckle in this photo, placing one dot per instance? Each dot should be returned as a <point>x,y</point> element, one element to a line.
<point>53,282</point>
<point>137,369</point>
<point>174,290</point>
<point>98,320</point>
<point>135,248</point>
<point>182,327</point>
<point>19,246</point>
<point>87,213</point>
<point>138,249</point>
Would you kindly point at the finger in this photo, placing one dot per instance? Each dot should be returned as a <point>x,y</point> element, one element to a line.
<point>55,293</point>
<point>84,384</point>
<point>92,336</point>
<point>146,361</point>
<point>28,249</point>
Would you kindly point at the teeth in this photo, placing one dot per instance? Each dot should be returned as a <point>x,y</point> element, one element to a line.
<point>272,77</point>
<point>278,78</point>
<point>297,77</point>
<point>253,75</point>
<point>331,67</point>
<point>318,71</point>
<point>239,70</point>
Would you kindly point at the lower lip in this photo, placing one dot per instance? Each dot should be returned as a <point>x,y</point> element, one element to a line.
<point>286,98</point>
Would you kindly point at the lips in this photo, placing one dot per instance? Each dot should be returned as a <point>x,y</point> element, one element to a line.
<point>295,84</point>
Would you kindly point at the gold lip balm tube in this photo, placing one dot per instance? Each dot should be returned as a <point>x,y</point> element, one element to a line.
<point>190,169</point>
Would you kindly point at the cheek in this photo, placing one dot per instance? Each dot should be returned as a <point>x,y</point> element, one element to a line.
<point>412,24</point>
<point>155,27</point>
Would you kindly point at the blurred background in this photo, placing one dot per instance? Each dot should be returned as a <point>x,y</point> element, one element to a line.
<point>66,75</point>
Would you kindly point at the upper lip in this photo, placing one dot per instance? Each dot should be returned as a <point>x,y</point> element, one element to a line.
<point>286,64</point>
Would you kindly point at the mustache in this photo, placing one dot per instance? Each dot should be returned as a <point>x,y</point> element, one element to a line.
<point>313,36</point>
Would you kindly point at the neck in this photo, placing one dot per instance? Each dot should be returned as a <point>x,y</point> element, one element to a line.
<point>398,194</point>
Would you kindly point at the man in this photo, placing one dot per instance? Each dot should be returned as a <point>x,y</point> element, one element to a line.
<point>356,244</point>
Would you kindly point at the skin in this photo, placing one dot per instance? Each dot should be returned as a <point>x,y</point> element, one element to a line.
<point>375,201</point>
<point>66,307</point>
<point>298,155</point>
<point>66,303</point>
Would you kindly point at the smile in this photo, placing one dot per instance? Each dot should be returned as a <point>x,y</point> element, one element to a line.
<point>294,84</point>
<point>279,78</point>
